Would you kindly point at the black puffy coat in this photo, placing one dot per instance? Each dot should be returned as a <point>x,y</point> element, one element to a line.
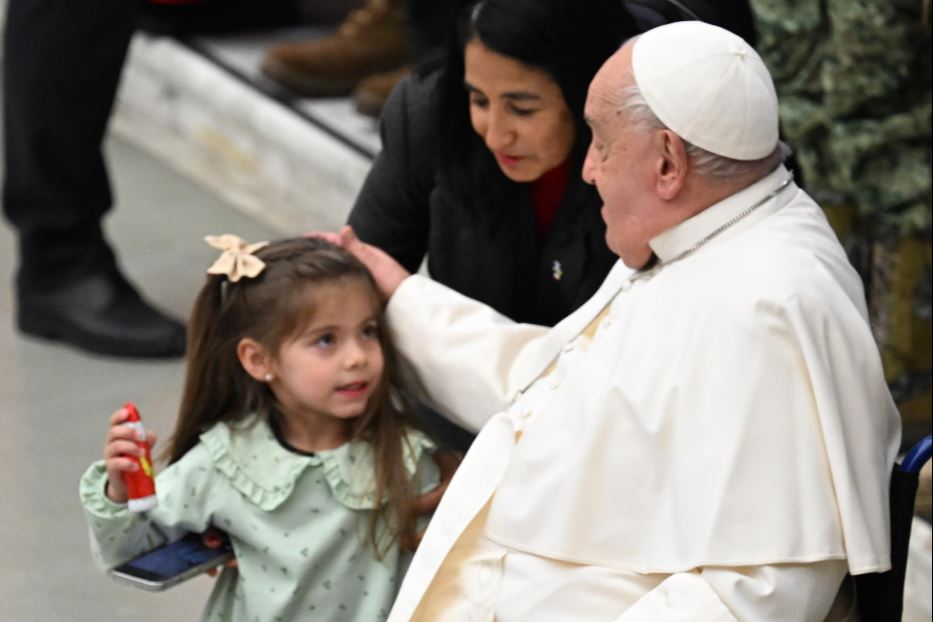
<point>493,256</point>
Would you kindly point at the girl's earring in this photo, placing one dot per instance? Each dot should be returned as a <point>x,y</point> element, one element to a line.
<point>268,377</point>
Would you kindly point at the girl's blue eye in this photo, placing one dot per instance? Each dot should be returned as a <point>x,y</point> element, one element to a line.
<point>371,332</point>
<point>327,339</point>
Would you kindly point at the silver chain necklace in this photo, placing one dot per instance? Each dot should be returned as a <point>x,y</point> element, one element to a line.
<point>655,268</point>
<point>709,237</point>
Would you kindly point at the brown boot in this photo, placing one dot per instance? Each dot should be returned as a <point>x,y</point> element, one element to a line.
<point>371,40</point>
<point>371,93</point>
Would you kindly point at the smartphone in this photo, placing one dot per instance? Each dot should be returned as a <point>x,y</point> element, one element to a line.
<point>170,564</point>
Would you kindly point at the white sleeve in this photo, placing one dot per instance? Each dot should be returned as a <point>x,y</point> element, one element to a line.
<point>463,351</point>
<point>800,592</point>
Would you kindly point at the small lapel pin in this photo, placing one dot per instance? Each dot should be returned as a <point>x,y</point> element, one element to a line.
<point>557,270</point>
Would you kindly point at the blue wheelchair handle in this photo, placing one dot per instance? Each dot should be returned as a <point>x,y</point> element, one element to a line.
<point>917,456</point>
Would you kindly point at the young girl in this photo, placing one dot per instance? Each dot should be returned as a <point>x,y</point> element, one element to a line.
<point>291,439</point>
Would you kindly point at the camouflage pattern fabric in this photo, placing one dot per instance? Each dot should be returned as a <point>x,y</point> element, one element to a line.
<point>854,79</point>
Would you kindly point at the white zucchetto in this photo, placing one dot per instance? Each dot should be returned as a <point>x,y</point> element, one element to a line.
<point>709,87</point>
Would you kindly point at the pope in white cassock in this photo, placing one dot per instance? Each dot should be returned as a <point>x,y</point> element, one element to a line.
<point>710,436</point>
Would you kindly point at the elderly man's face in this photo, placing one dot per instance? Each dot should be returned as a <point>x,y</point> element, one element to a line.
<point>621,163</point>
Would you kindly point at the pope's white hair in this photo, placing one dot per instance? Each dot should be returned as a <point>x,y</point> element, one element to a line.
<point>631,103</point>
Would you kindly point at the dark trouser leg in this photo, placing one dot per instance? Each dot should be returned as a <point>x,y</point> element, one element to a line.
<point>62,63</point>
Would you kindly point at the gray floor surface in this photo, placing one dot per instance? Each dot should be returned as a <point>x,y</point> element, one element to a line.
<point>55,402</point>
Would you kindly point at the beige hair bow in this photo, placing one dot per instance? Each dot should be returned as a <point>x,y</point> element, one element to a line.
<point>237,260</point>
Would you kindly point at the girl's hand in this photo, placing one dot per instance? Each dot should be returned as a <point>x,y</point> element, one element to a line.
<point>447,463</point>
<point>387,272</point>
<point>213,539</point>
<point>121,443</point>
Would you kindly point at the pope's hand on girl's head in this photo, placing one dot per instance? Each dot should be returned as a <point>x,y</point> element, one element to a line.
<point>121,443</point>
<point>329,236</point>
<point>387,272</point>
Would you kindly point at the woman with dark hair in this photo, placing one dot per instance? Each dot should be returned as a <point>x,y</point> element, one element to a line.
<point>481,159</point>
<point>480,167</point>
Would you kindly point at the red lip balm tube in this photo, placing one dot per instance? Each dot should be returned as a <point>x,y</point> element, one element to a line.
<point>140,484</point>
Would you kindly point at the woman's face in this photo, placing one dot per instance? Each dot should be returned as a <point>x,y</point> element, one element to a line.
<point>518,111</point>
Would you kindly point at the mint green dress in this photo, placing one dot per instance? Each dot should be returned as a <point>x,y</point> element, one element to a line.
<point>298,524</point>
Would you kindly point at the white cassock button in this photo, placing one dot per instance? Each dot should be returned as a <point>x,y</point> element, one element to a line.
<point>570,345</point>
<point>553,382</point>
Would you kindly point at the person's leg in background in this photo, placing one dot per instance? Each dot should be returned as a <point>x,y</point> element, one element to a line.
<point>372,39</point>
<point>62,65</point>
<point>428,23</point>
<point>371,50</point>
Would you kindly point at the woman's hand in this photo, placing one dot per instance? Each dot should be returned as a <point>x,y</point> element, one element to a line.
<point>121,444</point>
<point>387,272</point>
<point>447,462</point>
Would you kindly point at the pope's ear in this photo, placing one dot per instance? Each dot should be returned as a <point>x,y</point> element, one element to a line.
<point>254,358</point>
<point>672,166</point>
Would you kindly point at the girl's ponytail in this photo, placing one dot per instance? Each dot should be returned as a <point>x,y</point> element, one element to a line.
<point>210,393</point>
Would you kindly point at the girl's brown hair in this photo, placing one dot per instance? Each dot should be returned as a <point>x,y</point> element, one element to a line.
<point>270,309</point>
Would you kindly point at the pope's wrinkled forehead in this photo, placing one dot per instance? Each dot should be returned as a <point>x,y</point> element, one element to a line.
<point>708,86</point>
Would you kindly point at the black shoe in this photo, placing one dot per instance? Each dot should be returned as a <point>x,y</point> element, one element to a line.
<point>100,313</point>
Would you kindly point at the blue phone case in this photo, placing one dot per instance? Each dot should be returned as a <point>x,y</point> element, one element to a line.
<point>172,563</point>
